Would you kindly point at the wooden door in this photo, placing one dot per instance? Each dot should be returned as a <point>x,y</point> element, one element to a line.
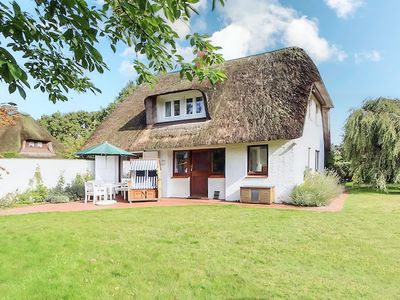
<point>200,169</point>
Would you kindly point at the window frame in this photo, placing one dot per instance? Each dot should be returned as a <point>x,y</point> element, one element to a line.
<point>199,99</point>
<point>255,173</point>
<point>175,102</point>
<point>189,100</point>
<point>217,174</point>
<point>187,173</point>
<point>165,109</point>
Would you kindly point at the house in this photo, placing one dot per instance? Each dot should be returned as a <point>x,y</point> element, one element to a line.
<point>26,138</point>
<point>263,127</point>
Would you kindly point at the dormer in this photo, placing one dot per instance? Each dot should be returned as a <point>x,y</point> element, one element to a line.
<point>174,107</point>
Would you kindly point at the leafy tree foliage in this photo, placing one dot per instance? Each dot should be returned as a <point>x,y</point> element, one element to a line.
<point>372,142</point>
<point>59,42</point>
<point>73,129</point>
<point>338,163</point>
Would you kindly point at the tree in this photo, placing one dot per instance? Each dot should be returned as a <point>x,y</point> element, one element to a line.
<point>338,164</point>
<point>372,142</point>
<point>73,129</point>
<point>59,42</point>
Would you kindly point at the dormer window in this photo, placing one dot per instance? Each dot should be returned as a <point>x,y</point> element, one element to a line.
<point>180,106</point>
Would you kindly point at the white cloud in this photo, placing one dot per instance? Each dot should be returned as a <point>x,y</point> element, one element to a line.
<point>371,56</point>
<point>344,8</point>
<point>201,5</point>
<point>127,68</point>
<point>129,51</point>
<point>253,26</point>
<point>305,34</point>
<point>181,27</point>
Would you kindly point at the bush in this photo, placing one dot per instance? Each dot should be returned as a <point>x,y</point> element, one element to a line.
<point>318,189</point>
<point>9,154</point>
<point>58,193</point>
<point>57,198</point>
<point>76,190</point>
<point>9,200</point>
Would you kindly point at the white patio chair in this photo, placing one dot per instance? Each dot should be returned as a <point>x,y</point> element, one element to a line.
<point>123,187</point>
<point>89,192</point>
<point>99,192</point>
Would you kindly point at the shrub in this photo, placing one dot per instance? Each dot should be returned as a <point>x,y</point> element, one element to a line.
<point>9,200</point>
<point>57,198</point>
<point>76,190</point>
<point>36,192</point>
<point>318,189</point>
<point>9,154</point>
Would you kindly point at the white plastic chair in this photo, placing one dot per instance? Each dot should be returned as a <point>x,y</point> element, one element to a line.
<point>99,192</point>
<point>123,187</point>
<point>89,190</point>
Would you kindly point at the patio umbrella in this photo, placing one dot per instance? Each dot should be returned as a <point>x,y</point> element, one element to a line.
<point>103,149</point>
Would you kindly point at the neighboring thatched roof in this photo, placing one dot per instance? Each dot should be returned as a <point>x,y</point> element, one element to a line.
<point>26,128</point>
<point>264,98</point>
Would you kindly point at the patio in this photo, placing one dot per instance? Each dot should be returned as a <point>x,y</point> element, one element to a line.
<point>335,206</point>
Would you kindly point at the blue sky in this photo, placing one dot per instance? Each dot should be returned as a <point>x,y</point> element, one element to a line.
<point>351,41</point>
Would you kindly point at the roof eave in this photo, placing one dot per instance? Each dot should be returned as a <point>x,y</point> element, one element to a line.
<point>322,94</point>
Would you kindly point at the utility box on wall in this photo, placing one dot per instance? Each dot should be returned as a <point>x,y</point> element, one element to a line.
<point>257,195</point>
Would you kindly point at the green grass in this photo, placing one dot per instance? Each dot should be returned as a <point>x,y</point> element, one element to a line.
<point>197,252</point>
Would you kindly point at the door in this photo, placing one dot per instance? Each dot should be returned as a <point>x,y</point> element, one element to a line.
<point>200,169</point>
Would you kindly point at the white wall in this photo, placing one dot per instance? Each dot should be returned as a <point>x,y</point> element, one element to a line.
<point>172,187</point>
<point>216,184</point>
<point>20,171</point>
<point>311,140</point>
<point>280,170</point>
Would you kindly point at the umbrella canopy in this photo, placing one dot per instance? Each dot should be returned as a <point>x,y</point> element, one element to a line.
<point>103,149</point>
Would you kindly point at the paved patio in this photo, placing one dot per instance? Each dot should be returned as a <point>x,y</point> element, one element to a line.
<point>335,206</point>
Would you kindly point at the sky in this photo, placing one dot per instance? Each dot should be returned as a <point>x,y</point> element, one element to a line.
<point>351,41</point>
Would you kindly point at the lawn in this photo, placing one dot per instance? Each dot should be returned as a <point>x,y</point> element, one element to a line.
<point>205,252</point>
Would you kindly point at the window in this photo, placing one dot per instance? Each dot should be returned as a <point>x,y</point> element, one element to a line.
<point>31,144</point>
<point>257,160</point>
<point>181,162</point>
<point>218,161</point>
<point>199,105</point>
<point>39,144</point>
<point>189,106</point>
<point>168,109</point>
<point>177,107</point>
<point>316,160</point>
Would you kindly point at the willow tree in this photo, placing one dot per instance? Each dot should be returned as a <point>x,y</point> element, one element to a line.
<point>372,142</point>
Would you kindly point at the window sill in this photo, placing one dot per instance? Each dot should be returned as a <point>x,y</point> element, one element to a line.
<point>256,176</point>
<point>179,176</point>
<point>216,176</point>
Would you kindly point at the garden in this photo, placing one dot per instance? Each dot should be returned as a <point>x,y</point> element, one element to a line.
<point>206,252</point>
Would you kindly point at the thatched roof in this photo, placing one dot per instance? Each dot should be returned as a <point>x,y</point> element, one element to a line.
<point>26,128</point>
<point>264,98</point>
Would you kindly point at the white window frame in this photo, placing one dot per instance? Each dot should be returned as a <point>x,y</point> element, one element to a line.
<point>183,97</point>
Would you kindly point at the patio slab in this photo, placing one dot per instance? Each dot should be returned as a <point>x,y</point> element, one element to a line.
<point>335,206</point>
